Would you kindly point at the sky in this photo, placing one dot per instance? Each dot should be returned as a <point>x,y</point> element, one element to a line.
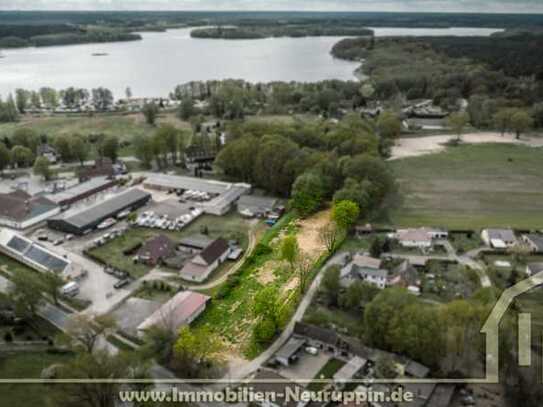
<point>486,6</point>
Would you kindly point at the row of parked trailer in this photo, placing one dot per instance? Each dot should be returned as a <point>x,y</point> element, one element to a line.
<point>152,220</point>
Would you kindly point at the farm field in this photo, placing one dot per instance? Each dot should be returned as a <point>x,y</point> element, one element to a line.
<point>471,187</point>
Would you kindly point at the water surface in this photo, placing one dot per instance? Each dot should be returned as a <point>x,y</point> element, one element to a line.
<point>159,62</point>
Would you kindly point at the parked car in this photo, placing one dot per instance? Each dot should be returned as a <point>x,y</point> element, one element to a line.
<point>106,224</point>
<point>121,283</point>
<point>71,289</point>
<point>58,242</point>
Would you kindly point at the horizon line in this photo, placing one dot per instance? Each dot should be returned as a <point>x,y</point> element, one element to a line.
<point>539,13</point>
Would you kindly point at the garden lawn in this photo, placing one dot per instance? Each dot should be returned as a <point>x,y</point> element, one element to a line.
<point>230,226</point>
<point>26,365</point>
<point>471,187</point>
<point>327,372</point>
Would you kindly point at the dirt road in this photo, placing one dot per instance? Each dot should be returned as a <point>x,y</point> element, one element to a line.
<point>412,147</point>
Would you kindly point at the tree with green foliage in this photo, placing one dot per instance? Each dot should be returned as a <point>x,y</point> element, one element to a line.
<point>26,137</point>
<point>357,295</point>
<point>8,111</point>
<point>502,120</point>
<point>49,97</point>
<point>169,139</point>
<point>102,99</point>
<point>385,367</point>
<point>379,314</point>
<point>5,157</point>
<point>87,330</point>
<point>52,283</point>
<point>330,235</point>
<point>22,97</point>
<point>79,148</point>
<point>144,149</point>
<point>376,247</point>
<point>264,330</point>
<point>237,158</point>
<point>289,250</point>
<point>331,286</point>
<point>186,108</point>
<point>389,128</point>
<point>110,147</point>
<point>158,343</point>
<point>21,156</point>
<point>521,121</point>
<point>307,194</point>
<point>457,123</point>
<point>195,349</point>
<point>64,147</point>
<point>25,294</point>
<point>87,367</point>
<point>150,112</point>
<point>42,168</point>
<point>345,214</point>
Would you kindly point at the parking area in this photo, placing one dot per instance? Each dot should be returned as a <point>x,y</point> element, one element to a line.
<point>307,366</point>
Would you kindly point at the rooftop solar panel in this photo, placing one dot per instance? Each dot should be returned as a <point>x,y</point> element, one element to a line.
<point>18,244</point>
<point>50,262</point>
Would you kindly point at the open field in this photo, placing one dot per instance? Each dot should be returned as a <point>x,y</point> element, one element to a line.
<point>124,126</point>
<point>471,187</point>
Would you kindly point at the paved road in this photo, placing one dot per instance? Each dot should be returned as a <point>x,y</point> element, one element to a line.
<point>468,260</point>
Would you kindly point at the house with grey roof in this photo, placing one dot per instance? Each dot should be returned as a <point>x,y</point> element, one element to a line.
<point>20,210</point>
<point>363,268</point>
<point>499,238</point>
<point>207,261</point>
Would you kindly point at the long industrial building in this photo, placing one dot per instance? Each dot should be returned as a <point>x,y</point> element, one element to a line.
<point>83,221</point>
<point>220,195</point>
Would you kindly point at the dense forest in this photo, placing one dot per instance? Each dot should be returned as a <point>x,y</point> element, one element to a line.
<point>490,73</point>
<point>257,32</point>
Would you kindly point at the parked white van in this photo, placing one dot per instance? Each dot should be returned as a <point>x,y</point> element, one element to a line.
<point>71,289</point>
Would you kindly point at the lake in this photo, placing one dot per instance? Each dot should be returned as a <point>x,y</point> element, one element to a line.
<point>155,65</point>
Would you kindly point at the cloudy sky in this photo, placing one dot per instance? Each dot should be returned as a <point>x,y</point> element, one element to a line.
<point>496,6</point>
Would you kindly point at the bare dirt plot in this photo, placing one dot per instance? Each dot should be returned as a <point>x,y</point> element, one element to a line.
<point>412,147</point>
<point>308,233</point>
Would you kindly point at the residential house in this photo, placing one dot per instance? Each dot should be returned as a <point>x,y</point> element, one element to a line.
<point>499,238</point>
<point>364,268</point>
<point>406,276</point>
<point>534,242</point>
<point>156,250</point>
<point>179,311</point>
<point>205,262</point>
<point>420,238</point>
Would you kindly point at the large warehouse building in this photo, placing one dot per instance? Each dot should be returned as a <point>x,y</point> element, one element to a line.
<point>219,196</point>
<point>82,191</point>
<point>83,221</point>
